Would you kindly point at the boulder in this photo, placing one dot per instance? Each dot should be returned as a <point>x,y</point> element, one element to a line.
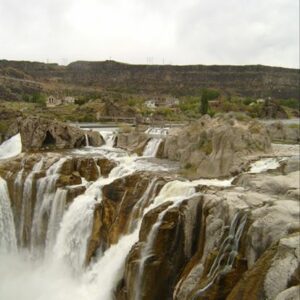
<point>216,147</point>
<point>284,133</point>
<point>43,134</point>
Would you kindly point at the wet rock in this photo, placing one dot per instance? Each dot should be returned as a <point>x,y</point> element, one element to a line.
<point>65,180</point>
<point>133,141</point>
<point>105,165</point>
<point>74,191</point>
<point>87,168</point>
<point>113,217</point>
<point>154,276</point>
<point>95,138</point>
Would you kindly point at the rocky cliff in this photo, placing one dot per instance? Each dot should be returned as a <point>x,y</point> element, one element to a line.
<point>255,81</point>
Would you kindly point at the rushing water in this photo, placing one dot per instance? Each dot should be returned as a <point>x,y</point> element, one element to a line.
<point>11,147</point>
<point>152,147</point>
<point>8,242</point>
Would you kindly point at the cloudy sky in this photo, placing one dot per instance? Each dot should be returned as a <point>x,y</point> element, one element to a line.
<point>152,31</point>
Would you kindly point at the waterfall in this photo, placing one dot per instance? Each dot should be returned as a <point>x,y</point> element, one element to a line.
<point>157,131</point>
<point>74,233</point>
<point>44,198</point>
<point>77,222</point>
<point>152,147</point>
<point>265,164</point>
<point>26,208</point>
<point>87,144</point>
<point>56,215</point>
<point>109,269</point>
<point>8,242</point>
<point>227,253</point>
<point>176,192</point>
<point>142,203</point>
<point>11,147</point>
<point>109,137</point>
<point>17,196</point>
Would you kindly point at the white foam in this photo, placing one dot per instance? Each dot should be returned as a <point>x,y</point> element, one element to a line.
<point>11,147</point>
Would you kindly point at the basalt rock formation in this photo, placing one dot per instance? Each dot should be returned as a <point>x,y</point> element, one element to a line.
<point>255,81</point>
<point>123,203</point>
<point>216,147</point>
<point>42,134</point>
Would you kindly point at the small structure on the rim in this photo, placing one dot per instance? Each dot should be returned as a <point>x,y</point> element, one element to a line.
<point>55,101</point>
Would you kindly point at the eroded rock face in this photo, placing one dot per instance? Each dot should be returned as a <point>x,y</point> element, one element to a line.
<point>168,239</point>
<point>117,213</point>
<point>216,147</point>
<point>263,249</point>
<point>41,134</point>
<point>132,141</point>
<point>273,274</point>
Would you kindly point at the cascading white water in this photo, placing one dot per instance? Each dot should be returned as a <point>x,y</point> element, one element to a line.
<point>175,192</point>
<point>77,222</point>
<point>26,209</point>
<point>152,147</point>
<point>87,144</point>
<point>8,242</point>
<point>109,134</point>
<point>76,226</point>
<point>17,196</point>
<point>44,197</point>
<point>11,147</point>
<point>56,215</point>
<point>142,203</point>
<point>265,164</point>
<point>157,131</point>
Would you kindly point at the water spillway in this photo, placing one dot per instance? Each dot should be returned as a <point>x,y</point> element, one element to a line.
<point>152,147</point>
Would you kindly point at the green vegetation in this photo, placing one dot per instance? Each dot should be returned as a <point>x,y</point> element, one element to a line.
<point>205,146</point>
<point>204,102</point>
<point>294,126</point>
<point>291,103</point>
<point>211,94</point>
<point>3,126</point>
<point>37,98</point>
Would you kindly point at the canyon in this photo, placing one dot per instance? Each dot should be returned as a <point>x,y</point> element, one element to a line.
<point>258,81</point>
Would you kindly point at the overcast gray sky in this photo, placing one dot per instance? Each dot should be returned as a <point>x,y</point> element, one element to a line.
<point>166,31</point>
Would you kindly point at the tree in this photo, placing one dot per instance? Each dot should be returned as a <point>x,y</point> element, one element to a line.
<point>204,102</point>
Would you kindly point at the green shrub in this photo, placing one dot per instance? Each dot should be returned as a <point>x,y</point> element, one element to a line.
<point>204,102</point>
<point>205,146</point>
<point>291,103</point>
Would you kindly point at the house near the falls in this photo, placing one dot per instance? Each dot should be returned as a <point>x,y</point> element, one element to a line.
<point>55,101</point>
